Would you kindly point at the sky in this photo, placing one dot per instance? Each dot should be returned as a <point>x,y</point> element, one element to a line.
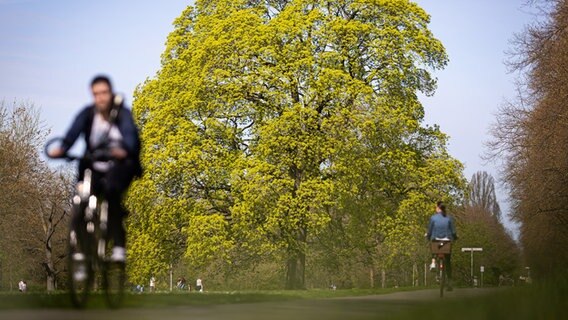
<point>477,36</point>
<point>50,50</point>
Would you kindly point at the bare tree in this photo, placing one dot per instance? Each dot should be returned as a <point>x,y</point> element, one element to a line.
<point>531,135</point>
<point>52,213</point>
<point>33,200</point>
<point>482,194</point>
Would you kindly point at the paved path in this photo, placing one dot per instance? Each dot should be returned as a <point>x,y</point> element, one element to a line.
<point>363,307</point>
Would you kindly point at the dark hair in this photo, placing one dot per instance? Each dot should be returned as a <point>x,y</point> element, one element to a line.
<point>442,206</point>
<point>101,78</point>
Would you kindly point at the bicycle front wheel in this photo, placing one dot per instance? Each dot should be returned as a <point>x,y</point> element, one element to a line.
<point>114,272</point>
<point>114,276</point>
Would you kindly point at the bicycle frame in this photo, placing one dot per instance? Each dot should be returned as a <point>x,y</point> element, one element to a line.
<point>95,215</point>
<point>88,242</point>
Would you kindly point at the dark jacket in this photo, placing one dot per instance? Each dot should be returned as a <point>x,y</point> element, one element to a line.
<point>131,140</point>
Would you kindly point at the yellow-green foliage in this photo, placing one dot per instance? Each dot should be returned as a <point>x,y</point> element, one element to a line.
<point>270,120</point>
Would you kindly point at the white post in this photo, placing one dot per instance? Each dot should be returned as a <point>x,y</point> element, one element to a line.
<point>471,250</point>
<point>471,276</point>
<point>171,277</point>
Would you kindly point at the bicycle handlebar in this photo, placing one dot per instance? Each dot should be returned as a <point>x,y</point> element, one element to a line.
<point>99,154</point>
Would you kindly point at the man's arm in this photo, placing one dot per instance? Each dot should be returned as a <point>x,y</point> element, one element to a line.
<point>75,130</point>
<point>72,134</point>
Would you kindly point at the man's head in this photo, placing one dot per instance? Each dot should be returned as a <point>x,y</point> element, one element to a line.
<point>101,88</point>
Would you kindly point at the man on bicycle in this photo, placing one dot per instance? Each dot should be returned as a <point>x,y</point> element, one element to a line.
<point>111,127</point>
<point>442,226</point>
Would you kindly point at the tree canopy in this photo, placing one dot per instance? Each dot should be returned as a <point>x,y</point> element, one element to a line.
<point>280,130</point>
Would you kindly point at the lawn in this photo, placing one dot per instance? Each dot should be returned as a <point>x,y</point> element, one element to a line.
<point>164,299</point>
<point>539,301</point>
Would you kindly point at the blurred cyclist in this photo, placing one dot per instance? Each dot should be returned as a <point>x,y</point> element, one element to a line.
<point>107,124</point>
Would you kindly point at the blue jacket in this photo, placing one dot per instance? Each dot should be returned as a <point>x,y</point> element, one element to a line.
<point>131,140</point>
<point>441,227</point>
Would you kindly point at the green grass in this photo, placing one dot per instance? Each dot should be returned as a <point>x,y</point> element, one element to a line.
<point>544,301</point>
<point>164,299</point>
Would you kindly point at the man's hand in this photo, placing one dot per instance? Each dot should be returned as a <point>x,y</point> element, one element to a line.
<point>118,153</point>
<point>56,153</point>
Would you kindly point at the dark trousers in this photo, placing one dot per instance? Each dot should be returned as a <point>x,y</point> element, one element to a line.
<point>112,185</point>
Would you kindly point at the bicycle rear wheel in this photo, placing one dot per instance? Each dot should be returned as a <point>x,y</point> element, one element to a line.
<point>442,276</point>
<point>80,271</point>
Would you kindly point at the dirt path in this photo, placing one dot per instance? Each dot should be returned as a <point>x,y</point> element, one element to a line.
<point>365,307</point>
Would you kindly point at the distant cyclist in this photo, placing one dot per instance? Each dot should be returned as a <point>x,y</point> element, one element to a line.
<point>106,125</point>
<point>442,226</point>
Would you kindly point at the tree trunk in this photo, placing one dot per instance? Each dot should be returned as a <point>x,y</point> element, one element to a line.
<point>49,268</point>
<point>296,265</point>
<point>295,275</point>
<point>415,277</point>
<point>50,283</point>
<point>48,264</point>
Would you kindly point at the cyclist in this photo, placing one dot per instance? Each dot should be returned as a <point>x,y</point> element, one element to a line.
<point>105,125</point>
<point>442,226</point>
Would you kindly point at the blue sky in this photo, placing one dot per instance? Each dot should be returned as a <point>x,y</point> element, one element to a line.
<point>49,50</point>
<point>476,34</point>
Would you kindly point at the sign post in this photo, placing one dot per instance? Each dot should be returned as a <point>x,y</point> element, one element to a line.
<point>472,250</point>
<point>481,269</point>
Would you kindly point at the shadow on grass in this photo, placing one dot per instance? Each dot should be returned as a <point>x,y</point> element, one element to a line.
<point>538,301</point>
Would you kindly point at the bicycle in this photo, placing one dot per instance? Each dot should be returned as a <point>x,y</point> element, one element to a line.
<point>440,248</point>
<point>89,248</point>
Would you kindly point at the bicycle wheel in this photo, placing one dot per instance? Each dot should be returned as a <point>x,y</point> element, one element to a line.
<point>442,276</point>
<point>80,271</point>
<point>114,275</point>
<point>114,272</point>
